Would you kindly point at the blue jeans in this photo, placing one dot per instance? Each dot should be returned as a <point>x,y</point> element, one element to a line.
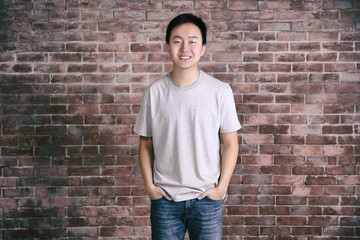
<point>202,218</point>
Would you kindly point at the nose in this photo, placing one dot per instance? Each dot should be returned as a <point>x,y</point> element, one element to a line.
<point>184,46</point>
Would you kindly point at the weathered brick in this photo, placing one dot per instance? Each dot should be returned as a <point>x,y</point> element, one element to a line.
<point>290,57</point>
<point>307,47</point>
<point>307,190</point>
<point>313,231</point>
<point>273,47</point>
<point>307,26</point>
<point>291,180</point>
<point>306,150</point>
<point>70,95</point>
<point>305,5</point>
<point>242,6</point>
<point>291,36</point>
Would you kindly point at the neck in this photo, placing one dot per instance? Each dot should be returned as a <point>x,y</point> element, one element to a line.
<point>185,78</point>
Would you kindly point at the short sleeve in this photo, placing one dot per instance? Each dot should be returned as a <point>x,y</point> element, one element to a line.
<point>143,120</point>
<point>229,121</point>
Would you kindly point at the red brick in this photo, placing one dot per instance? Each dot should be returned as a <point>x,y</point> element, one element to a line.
<point>275,26</point>
<point>242,189</point>
<point>321,57</point>
<point>256,179</point>
<point>247,47</point>
<point>313,109</point>
<point>339,190</point>
<point>242,210</point>
<point>291,98</point>
<point>238,67</point>
<point>306,210</point>
<point>333,210</point>
<point>174,5</point>
<point>258,57</point>
<point>259,36</point>
<point>227,36</point>
<point>71,96</point>
<point>273,47</point>
<point>146,26</point>
<point>258,119</point>
<point>313,46</point>
<point>292,77</point>
<point>307,26</point>
<point>259,15</point>
<point>305,5</point>
<point>340,67</point>
<point>275,231</point>
<point>335,46</point>
<point>242,6</point>
<point>242,231</point>
<point>290,57</point>
<point>313,231</point>
<point>338,150</point>
<point>320,140</point>
<point>338,109</point>
<point>340,88</point>
<point>307,170</point>
<point>275,170</point>
<point>291,36</point>
<point>322,221</point>
<point>218,67</point>
<point>321,98</point>
<point>348,140</point>
<point>293,221</point>
<point>265,159</point>
<point>289,180</point>
<point>274,210</point>
<point>210,5</point>
<point>283,139</point>
<point>275,68</point>
<point>141,68</point>
<point>337,129</point>
<point>274,149</point>
<point>268,220</point>
<point>320,180</point>
<point>339,26</point>
<point>307,190</point>
<point>306,150</point>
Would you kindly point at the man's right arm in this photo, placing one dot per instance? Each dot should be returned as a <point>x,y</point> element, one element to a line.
<point>146,158</point>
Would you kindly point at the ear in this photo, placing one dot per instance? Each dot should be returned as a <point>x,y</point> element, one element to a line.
<point>167,47</point>
<point>203,49</point>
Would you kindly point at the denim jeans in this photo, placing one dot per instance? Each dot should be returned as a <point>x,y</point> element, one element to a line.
<point>202,218</point>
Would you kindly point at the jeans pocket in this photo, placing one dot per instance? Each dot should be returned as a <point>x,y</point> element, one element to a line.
<point>158,199</point>
<point>210,199</point>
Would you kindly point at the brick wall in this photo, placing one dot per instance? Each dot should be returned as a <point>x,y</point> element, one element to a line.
<point>72,74</point>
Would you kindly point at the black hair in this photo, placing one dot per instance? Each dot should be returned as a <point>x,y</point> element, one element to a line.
<point>187,18</point>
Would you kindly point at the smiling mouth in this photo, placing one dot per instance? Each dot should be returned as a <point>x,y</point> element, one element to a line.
<point>185,57</point>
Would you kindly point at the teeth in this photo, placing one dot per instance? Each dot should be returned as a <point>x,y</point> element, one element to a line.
<point>184,57</point>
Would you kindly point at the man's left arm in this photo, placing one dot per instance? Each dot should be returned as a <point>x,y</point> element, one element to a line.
<point>228,163</point>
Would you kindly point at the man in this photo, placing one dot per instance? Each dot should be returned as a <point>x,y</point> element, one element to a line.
<point>182,118</point>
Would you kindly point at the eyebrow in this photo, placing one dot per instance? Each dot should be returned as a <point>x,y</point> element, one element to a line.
<point>176,36</point>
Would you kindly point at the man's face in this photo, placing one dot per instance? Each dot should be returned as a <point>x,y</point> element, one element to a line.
<point>185,46</point>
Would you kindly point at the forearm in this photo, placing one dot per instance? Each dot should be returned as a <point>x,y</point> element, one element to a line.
<point>228,163</point>
<point>229,159</point>
<point>146,159</point>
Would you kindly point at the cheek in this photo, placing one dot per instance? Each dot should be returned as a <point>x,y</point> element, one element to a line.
<point>198,50</point>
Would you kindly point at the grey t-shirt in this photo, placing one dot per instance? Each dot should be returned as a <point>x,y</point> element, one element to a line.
<point>185,124</point>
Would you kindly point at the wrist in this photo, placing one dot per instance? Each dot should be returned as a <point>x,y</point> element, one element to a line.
<point>150,187</point>
<point>221,188</point>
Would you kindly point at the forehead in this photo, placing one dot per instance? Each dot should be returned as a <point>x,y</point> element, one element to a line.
<point>186,30</point>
